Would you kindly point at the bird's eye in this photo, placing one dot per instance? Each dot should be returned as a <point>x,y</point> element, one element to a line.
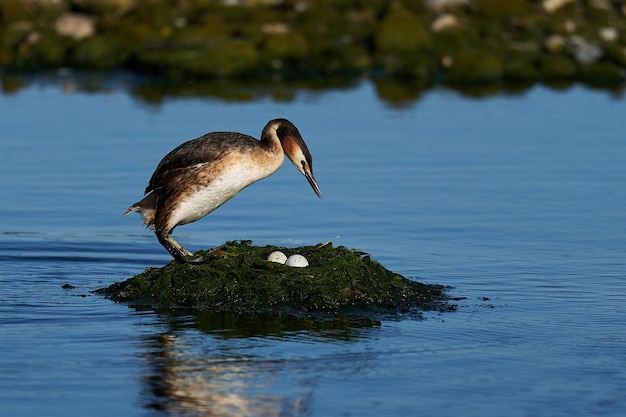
<point>303,164</point>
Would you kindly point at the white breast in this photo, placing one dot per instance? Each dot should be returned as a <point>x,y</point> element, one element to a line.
<point>222,188</point>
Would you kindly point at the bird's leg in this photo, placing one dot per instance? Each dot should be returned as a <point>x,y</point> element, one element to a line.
<point>178,252</point>
<point>174,248</point>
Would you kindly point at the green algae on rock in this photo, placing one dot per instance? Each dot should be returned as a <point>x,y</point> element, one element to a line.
<point>237,277</point>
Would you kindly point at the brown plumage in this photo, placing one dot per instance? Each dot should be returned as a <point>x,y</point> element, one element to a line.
<point>200,175</point>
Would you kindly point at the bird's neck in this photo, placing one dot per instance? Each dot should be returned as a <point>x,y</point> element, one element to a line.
<point>271,143</point>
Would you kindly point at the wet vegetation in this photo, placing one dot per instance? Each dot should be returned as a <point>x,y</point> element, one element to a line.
<point>462,43</point>
<point>237,278</point>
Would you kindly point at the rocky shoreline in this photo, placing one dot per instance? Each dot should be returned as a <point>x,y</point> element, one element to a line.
<point>455,42</point>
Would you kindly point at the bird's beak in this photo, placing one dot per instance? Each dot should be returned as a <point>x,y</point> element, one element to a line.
<point>311,179</point>
<point>298,153</point>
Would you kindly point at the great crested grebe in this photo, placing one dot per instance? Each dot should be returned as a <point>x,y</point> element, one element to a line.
<point>200,175</point>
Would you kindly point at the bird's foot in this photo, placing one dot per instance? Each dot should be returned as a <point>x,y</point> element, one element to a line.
<point>222,253</point>
<point>178,252</point>
<point>195,260</point>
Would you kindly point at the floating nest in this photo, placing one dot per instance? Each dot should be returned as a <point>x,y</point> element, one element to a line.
<point>237,278</point>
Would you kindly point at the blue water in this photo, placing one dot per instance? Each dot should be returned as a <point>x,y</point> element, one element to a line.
<point>516,201</point>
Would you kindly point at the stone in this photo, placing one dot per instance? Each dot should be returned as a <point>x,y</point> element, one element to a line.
<point>441,5</point>
<point>583,51</point>
<point>444,22</point>
<point>552,6</point>
<point>608,34</point>
<point>75,25</point>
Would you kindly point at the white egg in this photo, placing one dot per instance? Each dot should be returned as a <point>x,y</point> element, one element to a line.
<point>277,256</point>
<point>297,261</point>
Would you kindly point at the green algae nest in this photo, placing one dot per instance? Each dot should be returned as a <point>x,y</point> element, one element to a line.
<point>236,277</point>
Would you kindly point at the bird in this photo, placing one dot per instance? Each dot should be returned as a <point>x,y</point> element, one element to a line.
<point>200,175</point>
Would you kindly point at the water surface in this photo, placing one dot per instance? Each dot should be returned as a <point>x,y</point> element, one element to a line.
<point>516,201</point>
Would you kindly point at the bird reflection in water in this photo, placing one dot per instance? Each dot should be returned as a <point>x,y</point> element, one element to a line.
<point>184,381</point>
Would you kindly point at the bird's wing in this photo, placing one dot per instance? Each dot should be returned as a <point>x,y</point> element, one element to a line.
<point>204,149</point>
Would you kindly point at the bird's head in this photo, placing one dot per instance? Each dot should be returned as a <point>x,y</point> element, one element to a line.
<point>296,150</point>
